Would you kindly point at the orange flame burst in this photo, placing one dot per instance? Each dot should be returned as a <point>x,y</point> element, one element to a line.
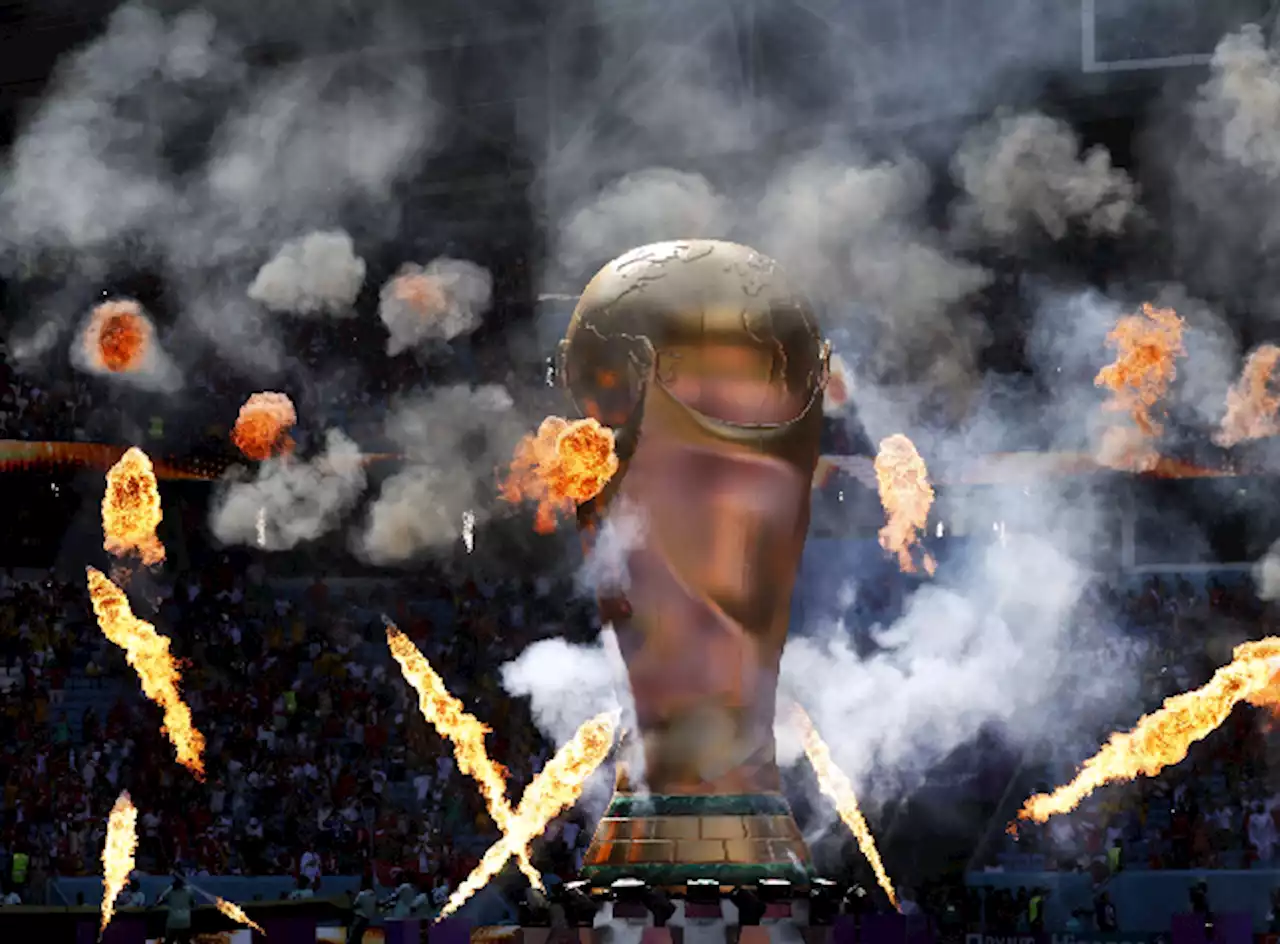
<point>118,336</point>
<point>1163,738</point>
<point>837,788</point>
<point>117,854</point>
<point>907,496</point>
<point>466,732</point>
<point>262,428</point>
<point>557,787</point>
<point>1147,347</point>
<point>236,913</point>
<point>131,508</point>
<point>1253,404</point>
<point>422,292</point>
<point>148,652</point>
<point>561,466</point>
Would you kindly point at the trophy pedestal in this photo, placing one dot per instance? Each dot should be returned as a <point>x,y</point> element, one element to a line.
<point>667,840</point>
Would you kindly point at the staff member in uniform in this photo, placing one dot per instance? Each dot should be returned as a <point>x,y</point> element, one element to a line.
<point>177,924</point>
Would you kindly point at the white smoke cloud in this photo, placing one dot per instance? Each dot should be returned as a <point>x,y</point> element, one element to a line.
<point>999,650</point>
<point>606,569</point>
<point>446,438</point>
<point>34,342</point>
<point>1026,173</point>
<point>290,502</point>
<point>853,233</point>
<point>846,229</point>
<point>648,206</point>
<point>568,683</point>
<point>158,140</point>
<point>439,301</point>
<point>1239,106</point>
<point>319,273</point>
<point>1266,574</point>
<point>1224,222</point>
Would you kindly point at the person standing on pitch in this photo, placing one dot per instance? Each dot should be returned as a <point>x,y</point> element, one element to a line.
<point>178,899</point>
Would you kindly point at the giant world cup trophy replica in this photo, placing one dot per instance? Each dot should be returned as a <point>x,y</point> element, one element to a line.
<point>711,369</point>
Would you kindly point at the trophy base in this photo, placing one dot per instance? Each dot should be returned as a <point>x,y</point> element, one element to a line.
<point>666,841</point>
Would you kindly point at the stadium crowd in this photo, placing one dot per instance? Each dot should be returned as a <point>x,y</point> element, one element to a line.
<point>1216,809</point>
<point>317,760</point>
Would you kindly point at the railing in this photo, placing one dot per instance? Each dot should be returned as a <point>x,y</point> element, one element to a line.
<point>1146,901</point>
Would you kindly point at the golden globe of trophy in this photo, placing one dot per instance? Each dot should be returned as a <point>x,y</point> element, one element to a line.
<point>711,369</point>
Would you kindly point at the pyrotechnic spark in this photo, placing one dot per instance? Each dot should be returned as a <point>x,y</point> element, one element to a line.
<point>117,337</point>
<point>556,787</point>
<point>466,732</point>
<point>236,913</point>
<point>1147,347</point>
<point>262,427</point>
<point>561,466</point>
<point>1253,404</point>
<point>907,496</point>
<point>469,530</point>
<point>148,652</point>
<point>837,788</point>
<point>117,854</point>
<point>131,509</point>
<point>261,526</point>
<point>1163,738</point>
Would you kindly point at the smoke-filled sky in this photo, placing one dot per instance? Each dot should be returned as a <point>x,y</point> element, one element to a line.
<point>967,246</point>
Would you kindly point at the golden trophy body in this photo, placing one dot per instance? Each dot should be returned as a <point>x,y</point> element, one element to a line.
<point>711,369</point>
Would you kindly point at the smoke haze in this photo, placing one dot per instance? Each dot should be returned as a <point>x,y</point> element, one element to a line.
<point>436,302</point>
<point>452,440</point>
<point>162,140</point>
<point>317,274</point>
<point>290,501</point>
<point>1027,172</point>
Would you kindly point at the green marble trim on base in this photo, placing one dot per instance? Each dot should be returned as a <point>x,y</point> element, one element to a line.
<point>669,875</point>
<point>632,806</point>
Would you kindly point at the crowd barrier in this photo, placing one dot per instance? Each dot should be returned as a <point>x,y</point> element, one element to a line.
<point>242,889</point>
<point>1146,902</point>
